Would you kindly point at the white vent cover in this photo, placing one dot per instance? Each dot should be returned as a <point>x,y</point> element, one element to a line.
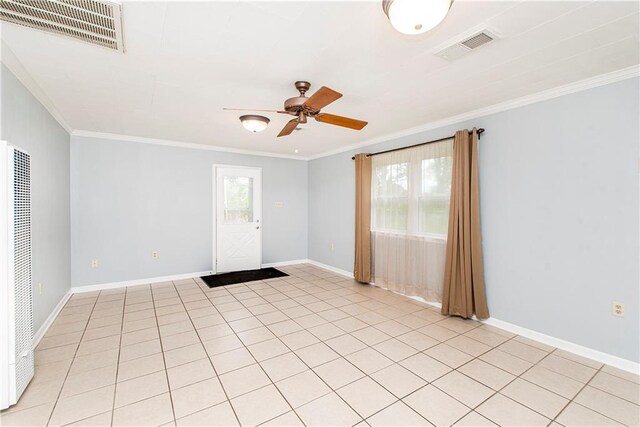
<point>92,21</point>
<point>20,265</point>
<point>469,43</point>
<point>16,304</point>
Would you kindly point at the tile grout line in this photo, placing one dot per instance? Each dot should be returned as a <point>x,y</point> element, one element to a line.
<point>259,363</point>
<point>305,363</point>
<point>365,374</point>
<point>341,356</point>
<point>74,356</point>
<point>115,388</point>
<point>164,360</point>
<point>501,388</point>
<point>205,350</point>
<point>309,368</point>
<point>578,403</point>
<point>327,285</point>
<point>497,347</point>
<point>398,362</point>
<point>344,356</point>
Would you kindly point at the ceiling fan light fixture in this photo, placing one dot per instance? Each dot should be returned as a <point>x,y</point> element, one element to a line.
<point>415,16</point>
<point>254,123</point>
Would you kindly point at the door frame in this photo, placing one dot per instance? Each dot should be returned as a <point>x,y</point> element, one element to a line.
<point>214,169</point>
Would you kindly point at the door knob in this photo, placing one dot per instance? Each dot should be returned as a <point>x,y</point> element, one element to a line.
<point>258,227</point>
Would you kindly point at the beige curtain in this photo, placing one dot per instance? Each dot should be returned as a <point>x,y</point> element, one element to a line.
<point>464,290</point>
<point>362,264</point>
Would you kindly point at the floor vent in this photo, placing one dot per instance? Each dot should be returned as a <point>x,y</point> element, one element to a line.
<point>92,21</point>
<point>457,50</point>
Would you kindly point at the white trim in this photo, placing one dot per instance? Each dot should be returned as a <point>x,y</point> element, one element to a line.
<point>578,86</point>
<point>340,271</point>
<point>609,359</point>
<point>285,263</point>
<point>599,356</point>
<point>11,61</point>
<point>590,83</point>
<point>125,283</point>
<point>47,323</point>
<point>435,304</point>
<point>181,144</point>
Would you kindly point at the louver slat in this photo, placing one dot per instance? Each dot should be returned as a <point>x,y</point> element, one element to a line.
<point>95,22</point>
<point>457,49</point>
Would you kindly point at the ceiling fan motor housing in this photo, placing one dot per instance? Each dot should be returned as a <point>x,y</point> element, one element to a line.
<point>296,104</point>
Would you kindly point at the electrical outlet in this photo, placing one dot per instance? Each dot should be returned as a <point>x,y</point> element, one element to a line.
<point>154,254</point>
<point>617,309</point>
<point>332,247</point>
<point>94,263</point>
<point>278,204</point>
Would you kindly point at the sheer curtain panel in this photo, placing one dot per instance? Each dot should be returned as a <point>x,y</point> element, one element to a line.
<point>409,218</point>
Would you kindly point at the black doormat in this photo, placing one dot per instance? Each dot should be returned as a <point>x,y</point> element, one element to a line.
<point>242,276</point>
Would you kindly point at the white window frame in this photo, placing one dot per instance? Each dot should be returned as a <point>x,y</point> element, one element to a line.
<point>414,178</point>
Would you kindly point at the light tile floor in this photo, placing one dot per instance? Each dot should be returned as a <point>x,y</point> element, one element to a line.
<point>313,348</point>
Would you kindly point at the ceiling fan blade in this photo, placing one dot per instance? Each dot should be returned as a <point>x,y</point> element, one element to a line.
<point>254,109</point>
<point>323,97</point>
<point>346,122</point>
<point>288,128</point>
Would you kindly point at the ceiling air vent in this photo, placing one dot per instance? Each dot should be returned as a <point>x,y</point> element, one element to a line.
<point>92,21</point>
<point>461,48</point>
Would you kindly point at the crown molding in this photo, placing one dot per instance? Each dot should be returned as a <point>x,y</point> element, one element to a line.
<point>15,66</point>
<point>590,83</point>
<point>11,61</point>
<point>181,144</point>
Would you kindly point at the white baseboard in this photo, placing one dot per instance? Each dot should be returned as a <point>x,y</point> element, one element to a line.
<point>125,283</point>
<point>609,359</point>
<point>47,323</point>
<point>285,263</point>
<point>599,356</point>
<point>339,271</point>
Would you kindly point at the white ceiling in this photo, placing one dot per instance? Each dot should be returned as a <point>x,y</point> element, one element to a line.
<point>184,61</point>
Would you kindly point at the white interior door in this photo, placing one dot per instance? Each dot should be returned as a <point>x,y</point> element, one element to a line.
<point>238,219</point>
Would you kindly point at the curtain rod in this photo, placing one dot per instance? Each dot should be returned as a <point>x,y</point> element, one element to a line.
<point>480,131</point>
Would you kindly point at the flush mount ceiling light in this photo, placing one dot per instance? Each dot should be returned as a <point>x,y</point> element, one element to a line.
<point>254,123</point>
<point>415,16</point>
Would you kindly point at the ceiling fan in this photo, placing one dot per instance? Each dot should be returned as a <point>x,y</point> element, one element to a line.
<point>303,107</point>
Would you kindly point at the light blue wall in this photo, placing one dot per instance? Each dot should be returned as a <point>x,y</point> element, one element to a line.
<point>26,124</point>
<point>560,220</point>
<point>129,199</point>
<point>560,209</point>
